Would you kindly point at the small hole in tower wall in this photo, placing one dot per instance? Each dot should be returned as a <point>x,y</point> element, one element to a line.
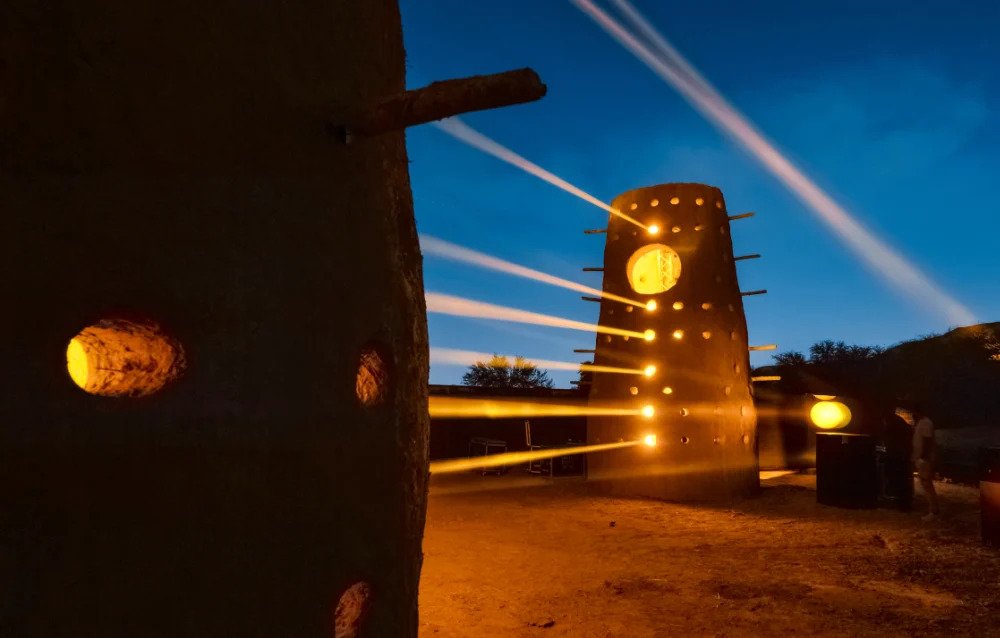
<point>121,358</point>
<point>371,384</point>
<point>675,200</point>
<point>633,390</point>
<point>351,610</point>
<point>699,201</point>
<point>685,440</point>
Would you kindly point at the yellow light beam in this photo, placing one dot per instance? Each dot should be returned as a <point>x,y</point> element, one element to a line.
<point>514,458</point>
<point>468,357</point>
<point>440,248</point>
<point>500,408</point>
<point>465,133</point>
<point>458,306</point>
<point>676,71</point>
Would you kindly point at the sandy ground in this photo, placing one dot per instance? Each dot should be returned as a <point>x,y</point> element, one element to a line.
<point>521,556</point>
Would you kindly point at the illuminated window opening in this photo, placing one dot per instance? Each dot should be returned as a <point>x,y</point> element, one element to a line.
<point>653,269</point>
<point>120,358</point>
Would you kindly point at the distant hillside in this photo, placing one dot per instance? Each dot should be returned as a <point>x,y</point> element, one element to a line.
<point>957,374</point>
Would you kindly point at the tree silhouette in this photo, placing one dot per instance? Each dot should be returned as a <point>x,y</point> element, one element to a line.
<point>500,372</point>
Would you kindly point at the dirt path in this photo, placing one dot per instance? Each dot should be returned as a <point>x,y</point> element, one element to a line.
<point>550,559</point>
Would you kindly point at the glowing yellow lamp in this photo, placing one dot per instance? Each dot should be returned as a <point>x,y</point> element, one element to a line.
<point>76,363</point>
<point>649,335</point>
<point>653,229</point>
<point>651,306</point>
<point>649,371</point>
<point>830,415</point>
<point>649,440</point>
<point>648,411</point>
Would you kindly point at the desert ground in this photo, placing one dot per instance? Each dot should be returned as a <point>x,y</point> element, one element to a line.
<point>520,556</point>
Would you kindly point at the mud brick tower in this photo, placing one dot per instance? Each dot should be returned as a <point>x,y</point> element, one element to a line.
<point>700,440</point>
<point>238,447</point>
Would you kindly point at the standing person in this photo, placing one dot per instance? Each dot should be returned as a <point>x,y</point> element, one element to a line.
<point>925,458</point>
<point>897,462</point>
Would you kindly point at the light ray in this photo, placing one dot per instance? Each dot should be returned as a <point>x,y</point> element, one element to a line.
<point>671,66</point>
<point>458,306</point>
<point>441,407</point>
<point>465,133</point>
<point>468,357</point>
<point>441,248</point>
<point>515,458</point>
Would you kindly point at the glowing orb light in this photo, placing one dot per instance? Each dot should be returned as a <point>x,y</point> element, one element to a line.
<point>649,371</point>
<point>653,229</point>
<point>648,411</point>
<point>649,335</point>
<point>76,363</point>
<point>651,306</point>
<point>830,415</point>
<point>649,440</point>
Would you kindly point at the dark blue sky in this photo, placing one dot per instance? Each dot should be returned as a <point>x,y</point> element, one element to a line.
<point>892,107</point>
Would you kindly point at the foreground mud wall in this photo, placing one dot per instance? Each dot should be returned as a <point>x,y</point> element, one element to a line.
<point>172,164</point>
<point>704,419</point>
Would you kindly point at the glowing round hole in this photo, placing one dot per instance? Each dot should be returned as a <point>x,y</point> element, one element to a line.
<point>718,204</point>
<point>633,390</point>
<point>653,269</point>
<point>626,337</point>
<point>633,207</point>
<point>727,390</point>
<point>706,335</point>
<point>706,306</point>
<point>371,384</point>
<point>675,229</point>
<point>120,358</point>
<point>351,610</point>
<point>607,338</point>
<point>648,411</point>
<point>678,305</point>
<point>685,440</point>
<point>628,308</point>
<point>830,415</point>
<point>746,439</point>
<point>678,334</point>
<point>668,390</point>
<point>655,202</point>
<point>651,306</point>
<point>649,335</point>
<point>732,335</point>
<point>737,368</point>
<point>649,440</point>
<point>699,201</point>
<point>684,412</point>
<point>675,200</point>
<point>699,227</point>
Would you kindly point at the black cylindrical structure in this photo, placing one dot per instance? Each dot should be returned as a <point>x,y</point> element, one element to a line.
<point>846,472</point>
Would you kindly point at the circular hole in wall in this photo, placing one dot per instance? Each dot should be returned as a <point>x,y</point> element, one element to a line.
<point>685,440</point>
<point>675,200</point>
<point>653,269</point>
<point>678,305</point>
<point>633,390</point>
<point>633,207</point>
<point>351,610</point>
<point>718,204</point>
<point>668,390</point>
<point>684,412</point>
<point>699,201</point>
<point>706,335</point>
<point>746,439</point>
<point>655,202</point>
<point>371,384</point>
<point>122,358</point>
